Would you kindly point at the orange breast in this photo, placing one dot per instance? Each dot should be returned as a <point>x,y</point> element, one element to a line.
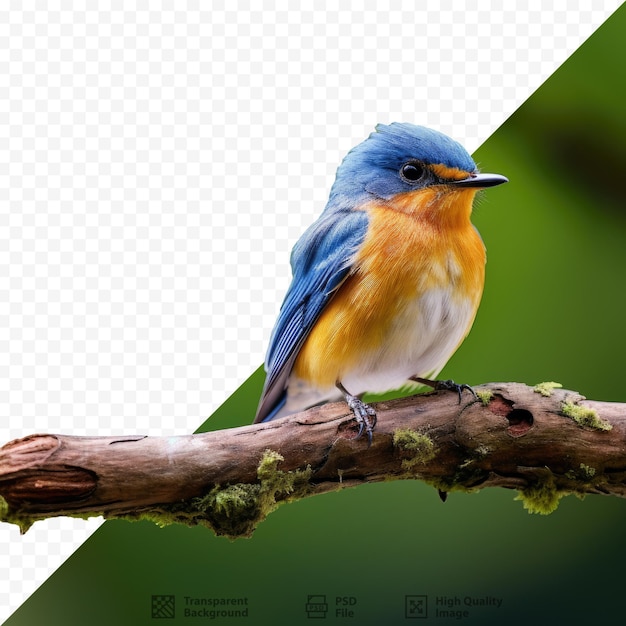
<point>422,241</point>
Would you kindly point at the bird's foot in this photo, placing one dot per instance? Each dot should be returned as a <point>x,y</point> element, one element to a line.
<point>445,385</point>
<point>364,414</point>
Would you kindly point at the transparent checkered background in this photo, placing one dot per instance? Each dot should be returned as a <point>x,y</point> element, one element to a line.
<point>157,165</point>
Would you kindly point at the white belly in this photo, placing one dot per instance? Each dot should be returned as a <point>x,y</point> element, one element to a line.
<point>422,338</point>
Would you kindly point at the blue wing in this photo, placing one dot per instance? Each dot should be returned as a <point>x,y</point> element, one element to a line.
<point>320,261</point>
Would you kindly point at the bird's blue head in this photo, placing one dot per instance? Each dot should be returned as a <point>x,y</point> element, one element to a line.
<point>398,158</point>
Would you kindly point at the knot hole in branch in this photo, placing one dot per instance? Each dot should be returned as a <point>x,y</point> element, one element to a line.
<point>520,422</point>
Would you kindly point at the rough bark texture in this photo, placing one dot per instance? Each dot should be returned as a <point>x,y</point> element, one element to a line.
<point>543,441</point>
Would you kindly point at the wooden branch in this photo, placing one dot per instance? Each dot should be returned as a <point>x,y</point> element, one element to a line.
<point>544,441</point>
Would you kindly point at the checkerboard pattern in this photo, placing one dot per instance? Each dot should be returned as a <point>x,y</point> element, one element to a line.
<point>163,607</point>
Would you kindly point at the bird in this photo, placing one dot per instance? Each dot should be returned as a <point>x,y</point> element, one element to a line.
<point>386,282</point>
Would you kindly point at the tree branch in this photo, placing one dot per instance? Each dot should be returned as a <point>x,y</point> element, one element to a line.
<point>544,441</point>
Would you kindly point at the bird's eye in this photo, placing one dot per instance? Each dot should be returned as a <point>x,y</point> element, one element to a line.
<point>412,172</point>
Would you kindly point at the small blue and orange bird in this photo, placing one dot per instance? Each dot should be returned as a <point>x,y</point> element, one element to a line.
<point>387,281</point>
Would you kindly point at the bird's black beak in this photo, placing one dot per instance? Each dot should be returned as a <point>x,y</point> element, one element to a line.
<point>480,181</point>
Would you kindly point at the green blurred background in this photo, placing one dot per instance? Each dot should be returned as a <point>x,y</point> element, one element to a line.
<point>553,310</point>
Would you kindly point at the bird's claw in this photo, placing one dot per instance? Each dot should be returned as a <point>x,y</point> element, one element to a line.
<point>450,385</point>
<point>364,414</point>
<point>446,385</point>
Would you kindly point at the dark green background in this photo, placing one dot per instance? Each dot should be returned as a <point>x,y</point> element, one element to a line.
<point>553,310</point>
